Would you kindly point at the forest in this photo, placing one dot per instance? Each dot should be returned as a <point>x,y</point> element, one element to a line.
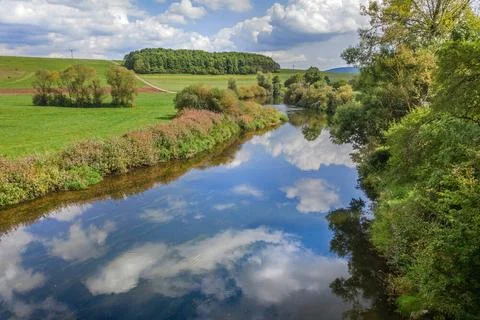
<point>415,126</point>
<point>159,60</point>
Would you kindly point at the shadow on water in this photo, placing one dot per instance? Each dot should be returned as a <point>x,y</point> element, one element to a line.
<point>367,279</point>
<point>119,187</point>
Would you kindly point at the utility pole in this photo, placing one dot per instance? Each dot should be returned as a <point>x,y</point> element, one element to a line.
<point>293,69</point>
<point>71,52</point>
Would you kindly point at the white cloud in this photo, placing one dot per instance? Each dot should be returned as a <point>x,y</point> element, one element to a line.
<point>277,272</point>
<point>315,195</point>
<point>234,5</point>
<point>299,21</point>
<point>180,12</point>
<point>224,206</point>
<point>247,190</point>
<point>16,280</point>
<point>69,212</point>
<point>174,207</point>
<point>161,262</point>
<point>306,155</point>
<point>268,267</point>
<point>241,157</point>
<point>81,244</point>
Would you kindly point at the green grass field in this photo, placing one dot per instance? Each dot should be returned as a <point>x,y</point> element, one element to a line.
<point>18,72</point>
<point>176,82</point>
<point>27,129</point>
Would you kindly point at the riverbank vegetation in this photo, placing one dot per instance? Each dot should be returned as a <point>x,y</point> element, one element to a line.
<point>85,163</point>
<point>416,130</point>
<point>161,60</point>
<point>314,89</point>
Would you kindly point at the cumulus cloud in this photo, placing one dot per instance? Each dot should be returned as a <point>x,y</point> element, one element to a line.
<point>17,280</point>
<point>159,261</point>
<point>234,5</point>
<point>299,21</point>
<point>306,155</point>
<point>247,190</point>
<point>69,212</point>
<point>241,157</point>
<point>174,207</point>
<point>268,267</point>
<point>81,245</point>
<point>180,12</point>
<point>314,195</point>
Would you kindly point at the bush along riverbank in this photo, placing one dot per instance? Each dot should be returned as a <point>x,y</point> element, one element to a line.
<point>196,129</point>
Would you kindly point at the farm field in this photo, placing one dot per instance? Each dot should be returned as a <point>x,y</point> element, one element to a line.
<point>17,72</point>
<point>176,82</point>
<point>27,129</point>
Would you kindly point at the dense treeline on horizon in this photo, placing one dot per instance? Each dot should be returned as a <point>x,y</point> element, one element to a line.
<point>159,60</point>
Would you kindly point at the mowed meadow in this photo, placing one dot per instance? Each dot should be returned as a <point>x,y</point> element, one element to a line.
<point>27,129</point>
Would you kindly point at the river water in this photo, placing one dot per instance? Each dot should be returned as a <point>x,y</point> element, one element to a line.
<point>241,233</point>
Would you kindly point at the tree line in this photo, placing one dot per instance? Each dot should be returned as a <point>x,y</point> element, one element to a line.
<point>159,60</point>
<point>79,86</point>
<point>313,89</point>
<point>415,126</point>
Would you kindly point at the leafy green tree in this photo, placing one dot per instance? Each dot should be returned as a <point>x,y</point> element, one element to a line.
<point>457,80</point>
<point>265,81</point>
<point>123,85</point>
<point>77,80</point>
<point>44,84</point>
<point>294,78</point>
<point>312,75</point>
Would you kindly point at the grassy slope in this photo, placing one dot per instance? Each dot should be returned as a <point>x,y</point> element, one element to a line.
<point>17,72</point>
<point>26,129</point>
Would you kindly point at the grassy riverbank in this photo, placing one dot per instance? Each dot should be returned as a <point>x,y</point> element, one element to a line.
<point>86,163</point>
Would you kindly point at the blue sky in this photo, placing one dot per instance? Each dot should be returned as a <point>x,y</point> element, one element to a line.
<point>300,32</point>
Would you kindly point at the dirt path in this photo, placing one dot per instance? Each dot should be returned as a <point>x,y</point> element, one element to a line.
<point>152,85</point>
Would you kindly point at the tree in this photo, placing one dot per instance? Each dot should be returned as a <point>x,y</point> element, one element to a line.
<point>265,81</point>
<point>457,80</point>
<point>312,75</point>
<point>123,85</point>
<point>44,84</point>
<point>277,86</point>
<point>232,85</point>
<point>77,80</point>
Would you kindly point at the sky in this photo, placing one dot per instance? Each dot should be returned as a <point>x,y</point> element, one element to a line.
<point>293,32</point>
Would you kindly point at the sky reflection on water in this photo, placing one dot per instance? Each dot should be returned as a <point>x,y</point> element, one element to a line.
<point>245,239</point>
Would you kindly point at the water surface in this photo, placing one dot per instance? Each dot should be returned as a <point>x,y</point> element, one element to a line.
<point>241,233</point>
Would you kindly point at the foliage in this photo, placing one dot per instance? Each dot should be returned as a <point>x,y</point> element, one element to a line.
<point>418,150</point>
<point>427,221</point>
<point>457,79</point>
<point>198,62</point>
<point>368,271</point>
<point>79,86</point>
<point>312,75</point>
<point>122,84</point>
<point>318,95</point>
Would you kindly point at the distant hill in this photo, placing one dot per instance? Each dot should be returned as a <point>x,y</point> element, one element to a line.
<point>344,70</point>
<point>17,72</point>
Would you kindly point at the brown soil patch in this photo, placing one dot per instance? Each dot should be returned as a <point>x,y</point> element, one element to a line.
<point>20,91</point>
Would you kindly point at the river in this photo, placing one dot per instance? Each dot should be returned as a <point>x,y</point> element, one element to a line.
<point>241,233</point>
